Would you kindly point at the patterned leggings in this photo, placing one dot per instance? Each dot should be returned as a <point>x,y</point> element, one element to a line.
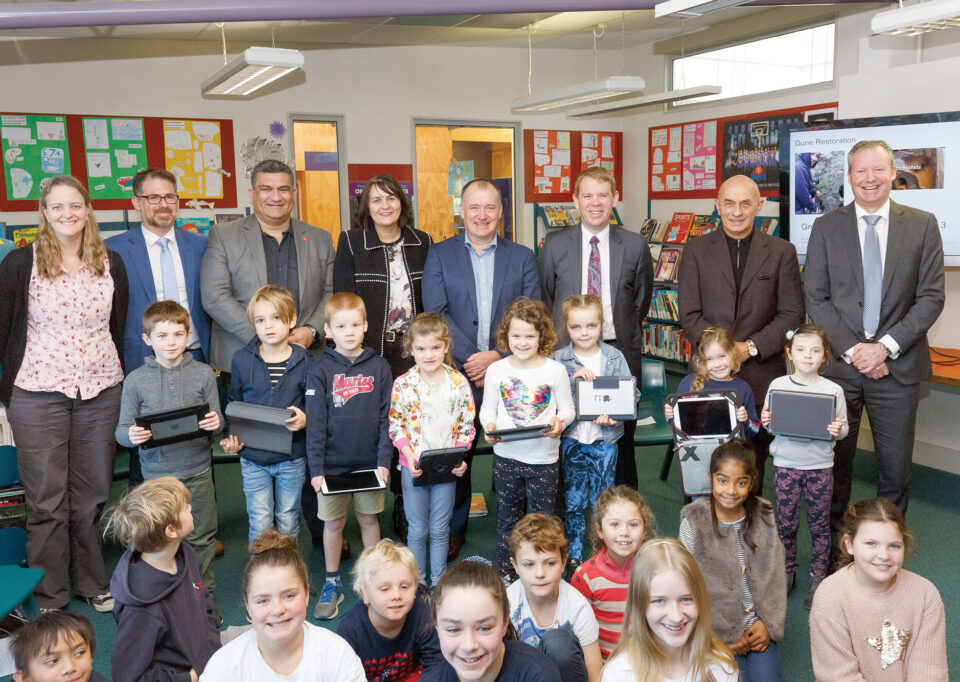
<point>815,487</point>
<point>521,489</point>
<point>588,469</point>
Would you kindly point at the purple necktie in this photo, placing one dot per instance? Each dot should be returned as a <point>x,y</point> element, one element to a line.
<point>594,282</point>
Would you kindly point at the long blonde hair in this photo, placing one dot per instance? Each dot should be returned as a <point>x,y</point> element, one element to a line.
<point>646,653</point>
<point>723,338</point>
<point>92,251</point>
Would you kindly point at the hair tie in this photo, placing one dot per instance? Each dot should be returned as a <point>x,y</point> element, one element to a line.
<point>710,329</point>
<point>791,333</point>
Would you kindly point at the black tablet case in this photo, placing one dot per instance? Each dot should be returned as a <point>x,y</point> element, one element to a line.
<point>520,433</point>
<point>148,419</point>
<point>437,466</point>
<point>260,426</point>
<point>801,415</point>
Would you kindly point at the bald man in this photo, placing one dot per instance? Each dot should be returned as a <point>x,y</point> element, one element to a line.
<point>747,281</point>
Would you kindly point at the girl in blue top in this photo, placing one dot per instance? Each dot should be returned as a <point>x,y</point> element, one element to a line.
<point>715,361</point>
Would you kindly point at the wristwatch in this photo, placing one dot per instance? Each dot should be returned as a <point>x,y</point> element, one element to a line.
<point>752,348</point>
<point>316,334</point>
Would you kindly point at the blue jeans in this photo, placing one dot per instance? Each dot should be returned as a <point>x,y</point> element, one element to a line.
<point>762,666</point>
<point>273,492</point>
<point>588,469</point>
<point>428,510</point>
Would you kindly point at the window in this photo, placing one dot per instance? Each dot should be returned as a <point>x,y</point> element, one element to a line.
<point>789,60</point>
<point>318,163</point>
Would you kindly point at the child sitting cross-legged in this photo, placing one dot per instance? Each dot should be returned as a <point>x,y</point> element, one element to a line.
<point>56,646</point>
<point>545,610</point>
<point>389,628</point>
<point>166,628</point>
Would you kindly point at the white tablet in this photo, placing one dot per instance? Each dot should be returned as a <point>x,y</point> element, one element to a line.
<point>354,482</point>
<point>705,415</point>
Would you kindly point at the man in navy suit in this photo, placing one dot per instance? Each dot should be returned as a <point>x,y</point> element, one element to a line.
<point>471,278</point>
<point>163,263</point>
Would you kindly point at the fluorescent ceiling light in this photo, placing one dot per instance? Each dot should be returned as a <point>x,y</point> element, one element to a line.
<point>646,100</point>
<point>918,18</point>
<point>252,69</point>
<point>581,93</point>
<point>692,8</point>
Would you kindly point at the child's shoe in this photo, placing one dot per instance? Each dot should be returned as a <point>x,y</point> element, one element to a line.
<point>815,581</point>
<point>330,597</point>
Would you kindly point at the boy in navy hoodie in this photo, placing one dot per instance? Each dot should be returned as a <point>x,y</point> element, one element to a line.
<point>348,400</point>
<point>166,622</point>
<point>271,371</point>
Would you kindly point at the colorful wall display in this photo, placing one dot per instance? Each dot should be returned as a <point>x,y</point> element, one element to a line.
<point>193,153</point>
<point>751,147</point>
<point>554,158</point>
<point>683,160</point>
<point>34,147</point>
<point>551,160</point>
<point>115,149</point>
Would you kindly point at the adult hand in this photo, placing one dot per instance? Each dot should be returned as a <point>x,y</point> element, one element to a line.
<point>210,421</point>
<point>868,357</point>
<point>585,374</point>
<point>476,365</point>
<point>556,428</point>
<point>317,483</point>
<point>493,440</point>
<point>231,445</point>
<point>758,636</point>
<point>302,336</point>
<point>765,417</point>
<point>298,421</point>
<point>604,420</point>
<point>384,474</point>
<point>138,435</point>
<point>881,371</point>
<point>742,351</point>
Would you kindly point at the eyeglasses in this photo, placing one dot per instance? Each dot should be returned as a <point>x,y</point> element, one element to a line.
<point>155,199</point>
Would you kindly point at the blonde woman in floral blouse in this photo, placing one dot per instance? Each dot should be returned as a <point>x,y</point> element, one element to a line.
<point>431,408</point>
<point>62,310</point>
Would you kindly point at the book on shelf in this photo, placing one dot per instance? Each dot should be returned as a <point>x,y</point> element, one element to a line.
<point>663,305</point>
<point>660,231</point>
<point>679,228</point>
<point>561,216</point>
<point>666,341</point>
<point>767,225</point>
<point>655,253</point>
<point>667,264</point>
<point>703,224</point>
<point>649,225</point>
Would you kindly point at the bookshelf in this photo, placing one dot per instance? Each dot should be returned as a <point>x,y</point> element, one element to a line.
<point>556,216</point>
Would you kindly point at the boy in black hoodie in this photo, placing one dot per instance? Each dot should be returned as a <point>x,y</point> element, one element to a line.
<point>166,628</point>
<point>348,400</point>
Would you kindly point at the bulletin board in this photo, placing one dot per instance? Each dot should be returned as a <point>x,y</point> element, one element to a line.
<point>554,158</point>
<point>105,152</point>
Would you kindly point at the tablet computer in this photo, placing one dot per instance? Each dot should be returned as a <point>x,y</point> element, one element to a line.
<point>173,426</point>
<point>801,415</point>
<point>354,482</point>
<point>520,432</point>
<point>438,465</point>
<point>705,414</point>
<point>260,426</point>
<point>612,396</point>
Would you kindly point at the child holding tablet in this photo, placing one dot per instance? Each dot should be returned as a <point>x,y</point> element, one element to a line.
<point>803,468</point>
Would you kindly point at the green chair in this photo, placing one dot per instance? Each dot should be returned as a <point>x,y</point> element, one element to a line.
<point>18,582</point>
<point>8,466</point>
<point>653,391</point>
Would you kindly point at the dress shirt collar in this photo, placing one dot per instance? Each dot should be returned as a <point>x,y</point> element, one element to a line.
<point>884,211</point>
<point>151,237</point>
<point>602,236</point>
<point>492,246</point>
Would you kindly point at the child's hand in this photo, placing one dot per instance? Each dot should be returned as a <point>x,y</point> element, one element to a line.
<point>298,421</point>
<point>742,414</point>
<point>765,417</point>
<point>556,428</point>
<point>758,636</point>
<point>138,435</point>
<point>742,647</point>
<point>317,483</point>
<point>834,427</point>
<point>604,420</point>
<point>193,676</point>
<point>210,422</point>
<point>668,412</point>
<point>413,460</point>
<point>585,374</point>
<point>231,445</point>
<point>493,440</point>
<point>384,474</point>
<point>460,469</point>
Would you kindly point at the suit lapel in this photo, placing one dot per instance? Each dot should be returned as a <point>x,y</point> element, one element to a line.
<point>466,268</point>
<point>575,251</point>
<point>501,264</point>
<point>759,252</point>
<point>895,238</point>
<point>850,244</point>
<point>253,235</point>
<point>143,272</point>
<point>722,257</point>
<point>616,262</point>
<point>301,241</point>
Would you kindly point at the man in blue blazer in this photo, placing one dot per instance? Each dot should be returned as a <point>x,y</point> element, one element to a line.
<point>471,278</point>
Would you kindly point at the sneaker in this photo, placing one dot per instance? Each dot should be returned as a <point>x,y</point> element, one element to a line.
<point>330,597</point>
<point>102,603</point>
<point>815,581</point>
<point>423,593</point>
<point>791,582</point>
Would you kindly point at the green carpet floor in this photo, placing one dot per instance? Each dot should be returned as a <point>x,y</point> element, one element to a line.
<point>934,516</point>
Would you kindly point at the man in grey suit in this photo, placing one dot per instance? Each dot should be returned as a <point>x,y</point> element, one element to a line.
<point>267,247</point>
<point>625,281</point>
<point>874,282</point>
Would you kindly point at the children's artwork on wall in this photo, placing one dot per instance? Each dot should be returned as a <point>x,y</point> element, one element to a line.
<point>193,153</point>
<point>35,148</point>
<point>115,149</point>
<point>258,149</point>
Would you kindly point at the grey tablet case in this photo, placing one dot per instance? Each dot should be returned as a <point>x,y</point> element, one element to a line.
<point>615,397</point>
<point>801,415</point>
<point>260,427</point>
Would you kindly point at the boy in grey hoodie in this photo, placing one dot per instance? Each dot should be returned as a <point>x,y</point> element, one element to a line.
<point>168,380</point>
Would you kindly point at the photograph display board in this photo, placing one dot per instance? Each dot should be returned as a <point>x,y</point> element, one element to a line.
<point>554,158</point>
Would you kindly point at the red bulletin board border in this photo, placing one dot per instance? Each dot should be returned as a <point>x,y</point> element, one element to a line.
<point>153,140</point>
<point>711,194</point>
<point>361,172</point>
<point>530,188</point>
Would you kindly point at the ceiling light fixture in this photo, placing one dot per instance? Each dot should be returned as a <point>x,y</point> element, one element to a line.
<point>645,101</point>
<point>919,18</point>
<point>692,8</point>
<point>254,68</point>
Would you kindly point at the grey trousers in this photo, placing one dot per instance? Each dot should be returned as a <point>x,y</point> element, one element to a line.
<point>203,539</point>
<point>65,451</point>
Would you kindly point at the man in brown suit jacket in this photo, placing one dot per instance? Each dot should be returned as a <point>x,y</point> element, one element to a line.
<point>748,282</point>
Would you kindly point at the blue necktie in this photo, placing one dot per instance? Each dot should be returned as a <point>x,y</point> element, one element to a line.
<point>872,276</point>
<point>167,272</point>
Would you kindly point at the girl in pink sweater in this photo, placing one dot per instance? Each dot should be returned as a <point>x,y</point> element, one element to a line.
<point>873,620</point>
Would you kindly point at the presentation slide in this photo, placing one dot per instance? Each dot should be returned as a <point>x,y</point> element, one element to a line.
<point>819,184</point>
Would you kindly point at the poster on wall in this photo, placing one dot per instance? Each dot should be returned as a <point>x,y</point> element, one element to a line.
<point>683,160</point>
<point>553,170</point>
<point>666,161</point>
<point>35,148</point>
<point>193,153</point>
<point>699,166</point>
<point>598,149</point>
<point>751,147</point>
<point>115,149</point>
<point>554,158</point>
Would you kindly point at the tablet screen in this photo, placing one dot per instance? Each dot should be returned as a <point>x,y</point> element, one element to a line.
<point>169,428</point>
<point>358,480</point>
<point>707,417</point>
